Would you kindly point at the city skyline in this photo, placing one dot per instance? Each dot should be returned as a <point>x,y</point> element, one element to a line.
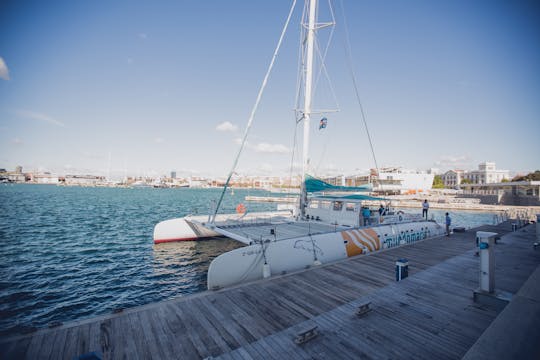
<point>147,88</point>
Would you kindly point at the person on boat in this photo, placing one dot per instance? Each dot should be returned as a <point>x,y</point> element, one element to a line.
<point>448,222</point>
<point>381,210</point>
<point>425,207</point>
<point>366,213</point>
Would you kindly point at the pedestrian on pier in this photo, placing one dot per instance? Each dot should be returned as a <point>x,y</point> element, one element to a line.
<point>425,207</point>
<point>448,222</point>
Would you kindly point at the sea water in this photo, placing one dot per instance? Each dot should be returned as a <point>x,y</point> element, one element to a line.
<point>69,253</point>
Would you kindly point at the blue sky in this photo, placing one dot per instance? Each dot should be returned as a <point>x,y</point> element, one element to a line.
<point>146,87</point>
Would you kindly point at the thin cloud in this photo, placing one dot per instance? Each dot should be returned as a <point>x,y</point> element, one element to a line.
<point>264,147</point>
<point>454,162</point>
<point>39,117</point>
<point>271,148</point>
<point>17,141</point>
<point>143,36</point>
<point>267,168</point>
<point>4,71</point>
<point>159,140</point>
<point>226,126</point>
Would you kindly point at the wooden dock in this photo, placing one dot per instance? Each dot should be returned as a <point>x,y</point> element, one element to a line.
<point>429,315</point>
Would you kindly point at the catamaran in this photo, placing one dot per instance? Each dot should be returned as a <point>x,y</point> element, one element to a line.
<point>329,222</point>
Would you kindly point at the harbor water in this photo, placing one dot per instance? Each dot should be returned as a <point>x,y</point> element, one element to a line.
<point>70,253</point>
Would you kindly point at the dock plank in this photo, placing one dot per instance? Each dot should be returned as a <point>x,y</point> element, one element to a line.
<point>431,314</point>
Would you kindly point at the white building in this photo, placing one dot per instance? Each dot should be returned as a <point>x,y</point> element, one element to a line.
<point>452,178</point>
<point>84,180</point>
<point>410,181</point>
<point>45,179</point>
<point>486,174</point>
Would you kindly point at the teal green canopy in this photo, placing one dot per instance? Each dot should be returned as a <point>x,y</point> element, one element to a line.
<point>316,185</point>
<point>350,197</point>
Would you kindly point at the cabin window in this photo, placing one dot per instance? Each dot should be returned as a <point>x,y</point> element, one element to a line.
<point>350,207</point>
<point>325,204</point>
<point>338,205</point>
<point>314,204</point>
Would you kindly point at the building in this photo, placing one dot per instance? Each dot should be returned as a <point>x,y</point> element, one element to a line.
<point>391,180</point>
<point>516,193</point>
<point>452,178</point>
<point>410,181</point>
<point>45,179</point>
<point>487,173</point>
<point>13,176</point>
<point>84,180</point>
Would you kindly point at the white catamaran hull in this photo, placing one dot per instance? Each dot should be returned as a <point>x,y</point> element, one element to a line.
<point>191,228</point>
<point>180,229</point>
<point>248,263</point>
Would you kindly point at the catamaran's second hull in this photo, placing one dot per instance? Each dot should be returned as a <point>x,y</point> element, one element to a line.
<point>190,228</point>
<point>274,257</point>
<point>181,229</point>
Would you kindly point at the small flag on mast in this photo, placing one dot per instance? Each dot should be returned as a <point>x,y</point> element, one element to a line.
<point>322,123</point>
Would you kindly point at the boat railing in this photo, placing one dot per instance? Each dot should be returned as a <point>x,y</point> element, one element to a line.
<point>250,221</point>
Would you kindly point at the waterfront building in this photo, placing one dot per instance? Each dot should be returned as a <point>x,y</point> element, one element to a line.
<point>12,176</point>
<point>198,182</point>
<point>516,193</point>
<point>487,173</point>
<point>452,178</point>
<point>84,180</point>
<point>390,180</point>
<point>411,181</point>
<point>46,178</point>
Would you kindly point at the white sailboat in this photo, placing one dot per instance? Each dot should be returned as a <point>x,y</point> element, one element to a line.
<point>323,228</point>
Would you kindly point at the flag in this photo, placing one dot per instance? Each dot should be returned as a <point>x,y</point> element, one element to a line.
<point>322,123</point>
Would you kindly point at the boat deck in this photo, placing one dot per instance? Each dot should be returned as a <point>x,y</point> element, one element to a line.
<point>429,315</point>
<point>280,229</point>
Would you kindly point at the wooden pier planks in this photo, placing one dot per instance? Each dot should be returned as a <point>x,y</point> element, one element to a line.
<point>431,311</point>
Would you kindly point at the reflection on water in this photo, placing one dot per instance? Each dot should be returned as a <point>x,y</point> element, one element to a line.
<point>192,257</point>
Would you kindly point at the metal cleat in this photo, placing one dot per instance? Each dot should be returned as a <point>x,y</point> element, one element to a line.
<point>306,335</point>
<point>363,309</point>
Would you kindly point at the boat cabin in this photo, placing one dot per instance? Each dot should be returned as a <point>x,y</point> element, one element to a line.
<point>347,210</point>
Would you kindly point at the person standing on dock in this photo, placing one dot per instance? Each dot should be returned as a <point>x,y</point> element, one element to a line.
<point>425,207</point>
<point>448,222</point>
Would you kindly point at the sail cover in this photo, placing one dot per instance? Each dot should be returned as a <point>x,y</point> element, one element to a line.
<point>316,185</point>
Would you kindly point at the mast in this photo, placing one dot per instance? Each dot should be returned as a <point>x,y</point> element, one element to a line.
<point>307,99</point>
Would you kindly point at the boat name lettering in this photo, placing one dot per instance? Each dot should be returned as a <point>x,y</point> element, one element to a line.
<point>408,238</point>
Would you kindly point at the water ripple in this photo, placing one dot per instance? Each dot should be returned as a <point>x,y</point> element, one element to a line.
<point>73,253</point>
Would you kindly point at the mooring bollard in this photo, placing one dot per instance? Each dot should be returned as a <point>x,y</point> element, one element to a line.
<point>487,260</point>
<point>538,228</point>
<point>402,269</point>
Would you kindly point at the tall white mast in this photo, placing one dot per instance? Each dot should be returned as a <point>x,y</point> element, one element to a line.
<point>307,97</point>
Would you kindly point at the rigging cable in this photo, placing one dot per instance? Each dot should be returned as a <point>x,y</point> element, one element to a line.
<point>349,58</point>
<point>255,106</point>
